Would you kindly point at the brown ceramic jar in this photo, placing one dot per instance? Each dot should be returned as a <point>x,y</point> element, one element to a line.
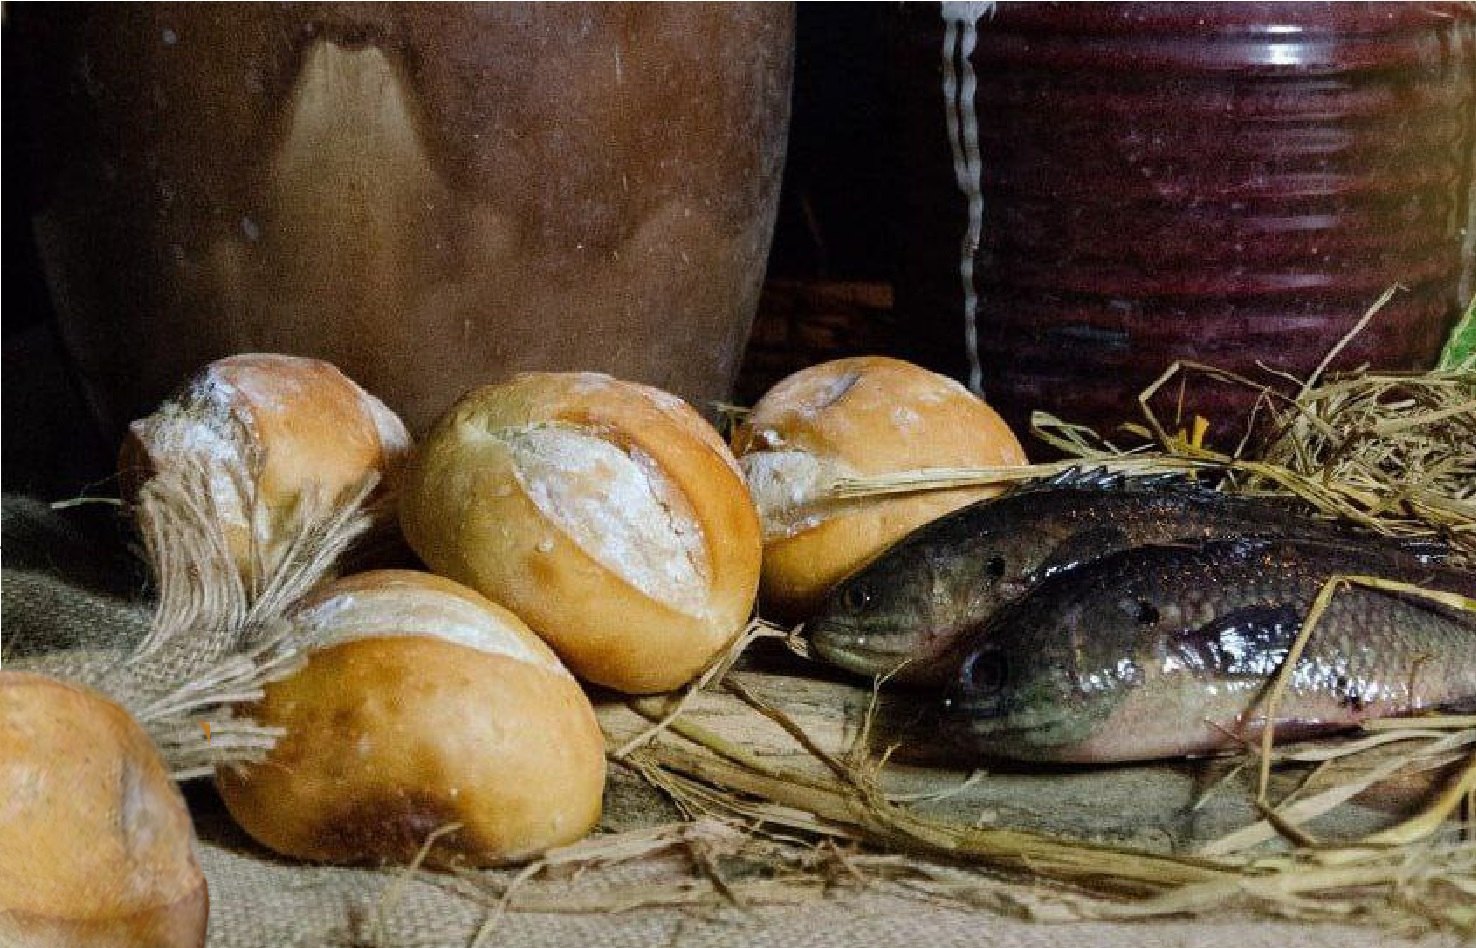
<point>430,196</point>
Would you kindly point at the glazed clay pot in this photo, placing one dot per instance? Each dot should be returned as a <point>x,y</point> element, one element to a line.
<point>1221,182</point>
<point>430,196</point>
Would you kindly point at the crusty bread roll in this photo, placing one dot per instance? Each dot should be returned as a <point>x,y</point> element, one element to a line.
<point>96,845</point>
<point>424,705</point>
<point>847,418</point>
<point>608,515</point>
<point>287,427</point>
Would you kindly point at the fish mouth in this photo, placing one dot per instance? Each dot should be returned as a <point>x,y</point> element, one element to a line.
<point>988,720</point>
<point>856,650</point>
<point>1010,733</point>
<point>858,661</point>
<point>1049,735</point>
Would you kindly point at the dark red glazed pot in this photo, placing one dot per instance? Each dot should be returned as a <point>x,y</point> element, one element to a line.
<point>432,196</point>
<point>1222,182</point>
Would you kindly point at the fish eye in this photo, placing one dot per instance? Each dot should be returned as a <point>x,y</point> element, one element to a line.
<point>857,597</point>
<point>995,567</point>
<point>1147,612</point>
<point>984,672</point>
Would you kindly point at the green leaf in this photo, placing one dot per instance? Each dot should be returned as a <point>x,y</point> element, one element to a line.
<point>1460,349</point>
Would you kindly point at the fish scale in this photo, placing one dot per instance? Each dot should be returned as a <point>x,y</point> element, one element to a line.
<point>1161,650</point>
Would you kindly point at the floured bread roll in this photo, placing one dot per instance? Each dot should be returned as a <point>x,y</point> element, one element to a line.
<point>285,428</point>
<point>607,514</point>
<point>848,418</point>
<point>424,705</point>
<point>96,845</point>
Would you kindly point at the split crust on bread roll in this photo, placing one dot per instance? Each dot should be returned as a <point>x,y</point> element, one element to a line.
<point>96,844</point>
<point>608,515</point>
<point>423,705</point>
<point>853,417</point>
<point>288,428</point>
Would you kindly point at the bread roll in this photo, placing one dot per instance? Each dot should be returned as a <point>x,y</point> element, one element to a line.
<point>96,845</point>
<point>290,429</point>
<point>606,514</point>
<point>848,418</point>
<point>426,705</point>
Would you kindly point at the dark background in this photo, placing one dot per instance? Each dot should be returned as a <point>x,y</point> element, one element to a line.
<point>831,226</point>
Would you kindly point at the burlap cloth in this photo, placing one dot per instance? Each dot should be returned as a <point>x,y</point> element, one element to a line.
<point>257,903</point>
<point>63,583</point>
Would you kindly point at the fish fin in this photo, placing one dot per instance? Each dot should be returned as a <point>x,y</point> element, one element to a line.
<point>1103,478</point>
<point>1249,641</point>
<point>1085,478</point>
<point>1170,480</point>
<point>1075,476</point>
<point>1083,546</point>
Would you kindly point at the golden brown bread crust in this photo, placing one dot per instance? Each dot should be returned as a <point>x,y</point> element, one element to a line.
<point>181,924</point>
<point>861,416</point>
<point>606,514</point>
<point>392,737</point>
<point>316,426</point>
<point>98,845</point>
<point>296,426</point>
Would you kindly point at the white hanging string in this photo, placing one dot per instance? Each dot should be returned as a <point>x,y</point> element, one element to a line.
<point>960,36</point>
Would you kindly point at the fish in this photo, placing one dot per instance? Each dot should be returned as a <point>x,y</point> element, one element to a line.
<point>897,616</point>
<point>1162,651</point>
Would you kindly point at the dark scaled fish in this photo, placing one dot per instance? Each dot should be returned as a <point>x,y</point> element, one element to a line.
<point>899,615</point>
<point>1160,651</point>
